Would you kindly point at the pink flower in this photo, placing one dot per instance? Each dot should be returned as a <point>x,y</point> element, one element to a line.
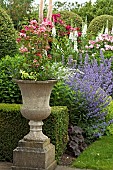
<point>32,27</point>
<point>79,34</point>
<point>68,27</point>
<point>77,28</point>
<point>18,40</point>
<point>35,60</point>
<point>92,42</point>
<point>33,22</point>
<point>23,31</point>
<point>22,34</point>
<point>23,49</point>
<point>107,47</point>
<point>42,29</point>
<point>55,17</point>
<point>47,23</point>
<point>97,46</point>
<point>27,28</point>
<point>112,48</point>
<point>39,55</point>
<point>100,38</point>
<point>61,22</point>
<point>91,46</point>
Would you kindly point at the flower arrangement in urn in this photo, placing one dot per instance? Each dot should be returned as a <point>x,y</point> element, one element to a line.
<point>34,43</point>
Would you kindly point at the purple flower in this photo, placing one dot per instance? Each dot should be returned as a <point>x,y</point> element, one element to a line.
<point>92,90</point>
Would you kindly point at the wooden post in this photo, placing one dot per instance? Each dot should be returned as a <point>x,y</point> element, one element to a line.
<point>49,13</point>
<point>41,6</point>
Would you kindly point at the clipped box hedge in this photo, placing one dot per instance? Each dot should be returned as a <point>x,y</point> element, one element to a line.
<point>13,126</point>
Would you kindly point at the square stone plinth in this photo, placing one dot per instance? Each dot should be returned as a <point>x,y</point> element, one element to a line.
<point>33,155</point>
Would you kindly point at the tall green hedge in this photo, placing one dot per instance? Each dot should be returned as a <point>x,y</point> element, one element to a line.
<point>7,35</point>
<point>13,127</point>
<point>71,18</point>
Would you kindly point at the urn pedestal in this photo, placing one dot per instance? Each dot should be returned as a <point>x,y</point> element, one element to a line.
<point>34,151</point>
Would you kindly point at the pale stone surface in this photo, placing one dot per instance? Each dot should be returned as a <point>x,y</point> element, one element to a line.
<point>34,155</point>
<point>35,152</point>
<point>7,166</point>
<point>35,133</point>
<point>35,97</point>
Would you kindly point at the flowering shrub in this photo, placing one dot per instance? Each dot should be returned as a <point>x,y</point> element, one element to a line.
<point>92,84</point>
<point>63,41</point>
<point>62,29</point>
<point>34,42</point>
<point>34,38</point>
<point>102,42</point>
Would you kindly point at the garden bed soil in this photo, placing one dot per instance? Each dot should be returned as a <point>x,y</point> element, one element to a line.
<point>66,160</point>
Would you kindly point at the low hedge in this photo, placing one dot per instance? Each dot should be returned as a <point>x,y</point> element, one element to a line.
<point>13,127</point>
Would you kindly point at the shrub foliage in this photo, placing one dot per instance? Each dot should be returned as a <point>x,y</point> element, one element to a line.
<point>71,18</point>
<point>13,127</point>
<point>98,22</point>
<point>7,35</point>
<point>9,91</point>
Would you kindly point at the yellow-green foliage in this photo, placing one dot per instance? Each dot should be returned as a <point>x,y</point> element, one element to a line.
<point>7,35</point>
<point>13,127</point>
<point>98,22</point>
<point>71,18</point>
<point>110,117</point>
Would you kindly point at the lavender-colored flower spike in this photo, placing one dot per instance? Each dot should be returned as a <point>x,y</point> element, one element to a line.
<point>92,90</point>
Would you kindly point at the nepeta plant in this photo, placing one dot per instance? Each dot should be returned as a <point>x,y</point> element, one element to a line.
<point>92,83</point>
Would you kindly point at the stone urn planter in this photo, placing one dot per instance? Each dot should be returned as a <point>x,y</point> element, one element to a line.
<point>35,151</point>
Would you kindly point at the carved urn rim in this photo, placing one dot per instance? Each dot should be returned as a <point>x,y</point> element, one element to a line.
<point>35,81</point>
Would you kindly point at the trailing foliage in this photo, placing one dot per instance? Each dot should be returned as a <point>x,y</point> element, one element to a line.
<point>14,127</point>
<point>7,35</point>
<point>98,22</point>
<point>92,83</point>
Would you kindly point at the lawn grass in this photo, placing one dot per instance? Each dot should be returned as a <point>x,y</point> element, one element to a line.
<point>99,155</point>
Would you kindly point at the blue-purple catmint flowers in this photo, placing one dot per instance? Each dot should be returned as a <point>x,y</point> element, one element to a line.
<point>93,85</point>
